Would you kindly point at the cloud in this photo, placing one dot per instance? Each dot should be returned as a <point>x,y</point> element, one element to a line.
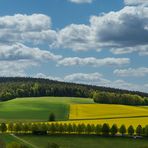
<point>141,50</point>
<point>76,37</point>
<point>24,22</point>
<point>81,1</point>
<point>19,51</point>
<point>15,59</point>
<point>136,2</point>
<point>124,29</point>
<point>35,28</point>
<point>130,72</point>
<point>128,33</point>
<point>98,80</point>
<point>91,61</point>
<point>41,75</point>
<point>84,78</point>
<point>16,67</point>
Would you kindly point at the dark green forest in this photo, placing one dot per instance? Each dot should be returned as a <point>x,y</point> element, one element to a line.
<point>13,87</point>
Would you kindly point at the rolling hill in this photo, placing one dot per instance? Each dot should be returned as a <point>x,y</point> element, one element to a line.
<point>71,110</point>
<point>18,87</point>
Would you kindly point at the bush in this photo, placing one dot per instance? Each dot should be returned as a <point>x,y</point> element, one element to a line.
<point>51,117</point>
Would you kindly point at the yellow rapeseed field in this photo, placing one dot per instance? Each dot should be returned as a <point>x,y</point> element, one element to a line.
<point>107,113</point>
<point>126,121</point>
<point>104,111</point>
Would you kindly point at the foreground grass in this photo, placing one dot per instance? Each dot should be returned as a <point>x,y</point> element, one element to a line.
<point>86,141</point>
<point>38,109</point>
<point>7,138</point>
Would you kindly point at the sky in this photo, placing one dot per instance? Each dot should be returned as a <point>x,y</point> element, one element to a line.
<point>97,42</point>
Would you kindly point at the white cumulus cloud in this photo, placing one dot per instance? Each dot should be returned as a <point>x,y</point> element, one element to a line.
<point>91,61</point>
<point>136,2</point>
<point>131,72</point>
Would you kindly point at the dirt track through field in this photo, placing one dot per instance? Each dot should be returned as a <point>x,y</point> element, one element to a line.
<point>24,141</point>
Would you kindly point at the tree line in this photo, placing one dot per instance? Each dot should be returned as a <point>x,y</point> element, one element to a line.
<point>13,87</point>
<point>115,98</point>
<point>72,128</point>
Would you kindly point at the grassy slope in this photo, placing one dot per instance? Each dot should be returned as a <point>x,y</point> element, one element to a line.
<point>87,142</point>
<point>37,109</point>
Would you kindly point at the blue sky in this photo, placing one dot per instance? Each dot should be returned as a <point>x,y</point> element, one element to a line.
<point>97,42</point>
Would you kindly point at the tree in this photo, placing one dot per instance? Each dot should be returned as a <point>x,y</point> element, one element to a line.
<point>139,130</point>
<point>44,127</point>
<point>88,129</point>
<point>17,127</point>
<point>10,126</point>
<point>146,130</point>
<point>61,128</point>
<point>130,130</point>
<point>3,127</point>
<point>69,128</point>
<point>53,128</point>
<point>80,128</point>
<point>105,129</point>
<point>52,117</point>
<point>122,129</point>
<point>98,129</point>
<point>114,129</point>
<point>25,127</point>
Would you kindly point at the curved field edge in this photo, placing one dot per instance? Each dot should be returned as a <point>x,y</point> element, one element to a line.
<point>38,108</point>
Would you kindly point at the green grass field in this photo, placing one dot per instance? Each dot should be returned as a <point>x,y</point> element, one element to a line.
<point>78,110</point>
<point>73,110</point>
<point>75,141</point>
<point>9,139</point>
<point>86,141</point>
<point>38,109</point>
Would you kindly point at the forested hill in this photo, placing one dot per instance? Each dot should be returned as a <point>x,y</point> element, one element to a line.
<point>12,87</point>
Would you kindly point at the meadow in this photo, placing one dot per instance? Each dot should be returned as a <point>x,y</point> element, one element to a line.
<point>74,141</point>
<point>38,109</point>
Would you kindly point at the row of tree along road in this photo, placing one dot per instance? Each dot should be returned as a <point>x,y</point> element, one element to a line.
<point>86,129</point>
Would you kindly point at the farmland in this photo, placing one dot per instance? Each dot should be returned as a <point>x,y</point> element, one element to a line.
<point>38,109</point>
<point>101,111</point>
<point>71,110</point>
